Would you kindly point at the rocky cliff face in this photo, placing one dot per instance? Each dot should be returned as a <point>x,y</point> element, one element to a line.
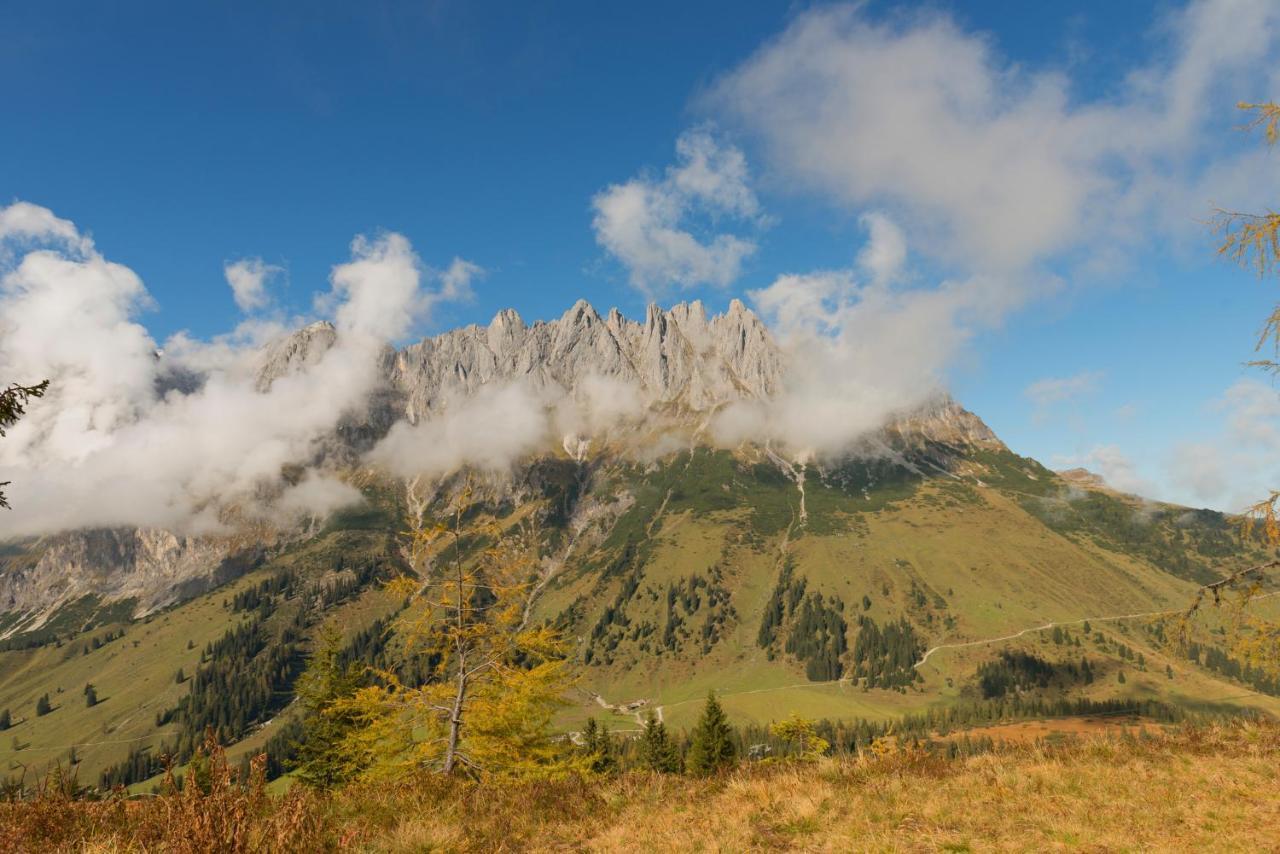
<point>678,357</point>
<point>154,567</point>
<point>677,361</point>
<point>295,352</point>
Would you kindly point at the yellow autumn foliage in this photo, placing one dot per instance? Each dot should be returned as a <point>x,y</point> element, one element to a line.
<point>494,684</point>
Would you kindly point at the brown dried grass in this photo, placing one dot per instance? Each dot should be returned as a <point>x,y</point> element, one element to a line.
<point>1207,788</point>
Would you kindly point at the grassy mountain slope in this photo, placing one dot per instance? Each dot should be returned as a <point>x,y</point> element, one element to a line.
<point>784,589</point>
<point>1003,546</point>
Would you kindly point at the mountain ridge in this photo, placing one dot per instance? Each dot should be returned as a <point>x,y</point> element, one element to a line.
<point>677,362</point>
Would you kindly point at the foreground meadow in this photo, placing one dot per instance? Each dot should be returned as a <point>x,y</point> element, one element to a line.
<point>1193,788</point>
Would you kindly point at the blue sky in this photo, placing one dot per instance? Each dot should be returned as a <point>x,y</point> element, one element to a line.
<point>185,138</point>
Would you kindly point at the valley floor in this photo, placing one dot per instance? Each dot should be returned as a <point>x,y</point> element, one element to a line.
<point>1192,789</point>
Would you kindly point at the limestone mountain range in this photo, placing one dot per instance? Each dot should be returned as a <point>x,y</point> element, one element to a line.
<point>679,360</point>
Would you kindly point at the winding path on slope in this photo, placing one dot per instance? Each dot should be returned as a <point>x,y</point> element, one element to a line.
<point>846,680</point>
<point>1047,626</point>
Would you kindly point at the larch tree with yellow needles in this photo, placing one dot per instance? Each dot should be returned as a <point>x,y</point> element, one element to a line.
<point>494,683</point>
<point>1253,240</point>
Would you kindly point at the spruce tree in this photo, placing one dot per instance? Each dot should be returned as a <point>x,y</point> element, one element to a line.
<point>5,720</point>
<point>90,695</point>
<point>43,706</point>
<point>712,748</point>
<point>321,761</point>
<point>598,746</point>
<point>657,751</point>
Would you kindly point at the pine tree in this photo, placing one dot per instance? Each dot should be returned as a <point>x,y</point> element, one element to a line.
<point>712,748</point>
<point>180,677</point>
<point>90,695</point>
<point>599,749</point>
<point>657,751</point>
<point>5,720</point>
<point>42,706</point>
<point>321,761</point>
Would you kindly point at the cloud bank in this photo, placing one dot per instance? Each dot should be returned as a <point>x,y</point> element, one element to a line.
<point>996,167</point>
<point>181,436</point>
<point>862,349</point>
<point>1005,179</point>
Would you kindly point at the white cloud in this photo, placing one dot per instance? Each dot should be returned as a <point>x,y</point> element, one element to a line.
<point>1199,469</point>
<point>1116,468</point>
<point>1045,393</point>
<point>455,281</point>
<point>1240,464</point>
<point>600,404</point>
<point>859,355</point>
<point>1126,412</point>
<point>1000,174</point>
<point>489,430</point>
<point>248,280</point>
<point>886,252</point>
<point>645,223</point>
<point>25,221</point>
<point>117,442</point>
<point>713,174</point>
<point>997,167</point>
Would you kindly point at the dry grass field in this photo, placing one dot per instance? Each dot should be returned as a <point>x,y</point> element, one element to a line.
<point>1191,789</point>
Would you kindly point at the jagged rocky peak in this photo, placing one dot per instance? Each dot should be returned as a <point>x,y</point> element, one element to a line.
<point>943,421</point>
<point>296,351</point>
<point>675,356</point>
<point>681,357</point>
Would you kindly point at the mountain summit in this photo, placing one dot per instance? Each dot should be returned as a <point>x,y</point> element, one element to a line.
<point>677,356</point>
